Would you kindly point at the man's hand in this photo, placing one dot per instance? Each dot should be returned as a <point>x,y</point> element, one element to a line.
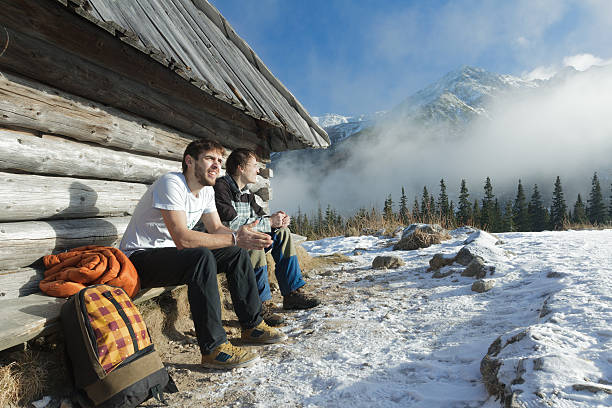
<point>279,220</point>
<point>286,221</point>
<point>248,239</point>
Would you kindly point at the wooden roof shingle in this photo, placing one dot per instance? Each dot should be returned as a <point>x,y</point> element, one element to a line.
<point>197,42</point>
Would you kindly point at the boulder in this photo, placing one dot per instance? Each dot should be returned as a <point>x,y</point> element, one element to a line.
<point>483,237</point>
<point>477,268</point>
<point>387,261</point>
<point>444,272</point>
<point>464,256</point>
<point>421,236</point>
<point>483,285</point>
<point>440,260</point>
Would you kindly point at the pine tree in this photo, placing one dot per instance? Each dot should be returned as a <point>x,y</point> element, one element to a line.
<point>425,207</point>
<point>487,216</point>
<point>388,209</point>
<point>507,224</point>
<point>432,209</point>
<point>403,210</point>
<point>579,212</point>
<point>520,214</point>
<point>537,213</point>
<point>610,206</point>
<point>318,223</point>
<point>497,217</point>
<point>452,221</point>
<point>558,210</point>
<point>416,213</point>
<point>476,214</point>
<point>443,204</point>
<point>596,210</point>
<point>464,214</point>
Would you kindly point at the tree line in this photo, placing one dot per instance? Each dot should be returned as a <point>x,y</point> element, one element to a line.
<point>488,213</point>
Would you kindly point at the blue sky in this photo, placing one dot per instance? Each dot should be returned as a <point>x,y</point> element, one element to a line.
<point>352,57</point>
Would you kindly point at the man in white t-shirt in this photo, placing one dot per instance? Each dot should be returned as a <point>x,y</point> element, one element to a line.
<point>161,244</point>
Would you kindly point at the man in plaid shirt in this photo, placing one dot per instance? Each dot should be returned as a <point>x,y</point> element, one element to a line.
<point>237,207</point>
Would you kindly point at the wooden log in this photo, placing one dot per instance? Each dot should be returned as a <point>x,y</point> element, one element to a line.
<point>28,317</point>
<point>259,184</point>
<point>265,193</point>
<point>27,104</point>
<point>19,282</point>
<point>266,172</point>
<point>23,243</point>
<point>82,59</point>
<point>26,152</point>
<point>26,197</point>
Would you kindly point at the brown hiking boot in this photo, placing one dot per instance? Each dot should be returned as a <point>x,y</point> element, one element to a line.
<point>262,334</point>
<point>271,318</point>
<point>300,299</point>
<point>228,356</point>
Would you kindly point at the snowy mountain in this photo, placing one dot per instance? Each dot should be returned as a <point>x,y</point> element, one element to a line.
<point>458,97</point>
<point>340,127</point>
<point>443,107</point>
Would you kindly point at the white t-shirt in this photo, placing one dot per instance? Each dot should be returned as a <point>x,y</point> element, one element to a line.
<point>147,229</point>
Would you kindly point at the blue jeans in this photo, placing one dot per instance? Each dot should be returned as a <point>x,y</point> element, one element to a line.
<point>287,270</point>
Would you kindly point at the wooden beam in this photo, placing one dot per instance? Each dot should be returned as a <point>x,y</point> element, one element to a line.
<point>26,152</point>
<point>28,317</point>
<point>24,243</point>
<point>27,197</point>
<point>84,60</point>
<point>27,104</point>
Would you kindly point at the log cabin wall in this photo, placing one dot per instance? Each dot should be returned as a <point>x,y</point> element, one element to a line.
<point>71,173</point>
<point>95,104</point>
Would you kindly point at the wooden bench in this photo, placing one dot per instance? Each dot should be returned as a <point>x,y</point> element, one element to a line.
<point>27,317</point>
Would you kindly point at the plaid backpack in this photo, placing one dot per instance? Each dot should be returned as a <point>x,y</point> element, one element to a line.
<point>113,361</point>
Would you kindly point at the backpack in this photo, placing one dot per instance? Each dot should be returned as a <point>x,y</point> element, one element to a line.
<point>113,361</point>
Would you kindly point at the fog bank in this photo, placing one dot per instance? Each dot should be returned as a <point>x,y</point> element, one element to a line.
<point>563,128</point>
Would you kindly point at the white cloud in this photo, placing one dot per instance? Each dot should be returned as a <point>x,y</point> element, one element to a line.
<point>540,73</point>
<point>582,62</point>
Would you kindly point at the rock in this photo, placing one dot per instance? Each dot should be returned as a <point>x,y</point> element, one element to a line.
<point>359,251</point>
<point>483,285</point>
<point>484,237</point>
<point>594,388</point>
<point>475,268</point>
<point>421,236</point>
<point>398,232</point>
<point>440,260</point>
<point>388,261</point>
<point>464,256</point>
<point>444,272</point>
<point>490,367</point>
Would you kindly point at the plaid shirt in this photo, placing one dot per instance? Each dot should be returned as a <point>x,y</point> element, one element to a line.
<point>238,207</point>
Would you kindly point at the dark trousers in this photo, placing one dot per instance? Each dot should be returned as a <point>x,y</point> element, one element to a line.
<point>198,268</point>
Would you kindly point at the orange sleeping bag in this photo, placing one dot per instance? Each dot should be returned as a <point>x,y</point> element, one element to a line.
<point>68,272</point>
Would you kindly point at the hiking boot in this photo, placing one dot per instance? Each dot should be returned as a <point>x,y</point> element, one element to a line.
<point>271,318</point>
<point>262,334</point>
<point>228,356</point>
<point>300,299</point>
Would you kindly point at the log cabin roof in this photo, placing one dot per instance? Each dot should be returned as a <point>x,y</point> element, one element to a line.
<point>197,42</point>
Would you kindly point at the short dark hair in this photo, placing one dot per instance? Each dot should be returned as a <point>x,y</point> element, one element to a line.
<point>238,157</point>
<point>197,147</point>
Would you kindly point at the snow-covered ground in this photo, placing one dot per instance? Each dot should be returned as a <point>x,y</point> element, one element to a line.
<point>400,338</point>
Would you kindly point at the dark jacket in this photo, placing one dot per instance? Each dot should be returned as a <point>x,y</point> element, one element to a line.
<point>236,207</point>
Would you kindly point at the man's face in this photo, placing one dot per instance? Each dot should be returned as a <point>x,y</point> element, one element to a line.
<point>250,170</point>
<point>207,167</point>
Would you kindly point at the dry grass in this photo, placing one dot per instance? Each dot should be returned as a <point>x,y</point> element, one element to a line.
<point>23,380</point>
<point>419,239</point>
